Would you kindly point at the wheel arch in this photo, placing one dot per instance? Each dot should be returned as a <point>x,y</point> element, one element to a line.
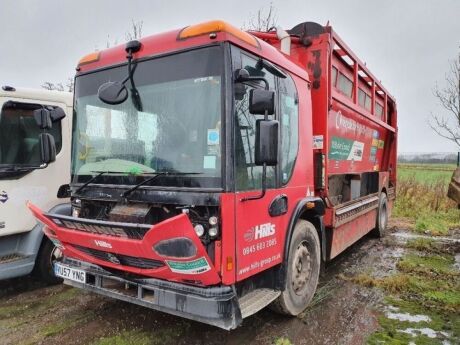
<point>62,209</point>
<point>311,209</point>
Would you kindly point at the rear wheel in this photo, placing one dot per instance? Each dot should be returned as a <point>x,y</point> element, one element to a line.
<point>47,255</point>
<point>382,217</point>
<point>304,263</point>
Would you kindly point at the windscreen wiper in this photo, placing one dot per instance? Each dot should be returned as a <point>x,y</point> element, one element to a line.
<point>150,179</point>
<point>91,180</point>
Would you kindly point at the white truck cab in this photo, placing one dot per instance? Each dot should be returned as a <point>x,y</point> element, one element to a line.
<point>24,176</point>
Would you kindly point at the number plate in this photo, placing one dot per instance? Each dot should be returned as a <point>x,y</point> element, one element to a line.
<point>69,273</point>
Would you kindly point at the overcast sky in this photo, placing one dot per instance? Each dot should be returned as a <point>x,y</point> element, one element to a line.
<point>405,43</point>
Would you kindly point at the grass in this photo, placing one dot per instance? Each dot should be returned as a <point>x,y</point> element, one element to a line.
<point>426,173</point>
<point>168,335</point>
<point>424,245</point>
<point>422,198</point>
<point>133,337</point>
<point>427,283</point>
<point>282,341</point>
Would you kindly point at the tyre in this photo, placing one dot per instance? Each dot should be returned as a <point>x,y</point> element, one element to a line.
<point>43,269</point>
<point>303,269</point>
<point>382,217</point>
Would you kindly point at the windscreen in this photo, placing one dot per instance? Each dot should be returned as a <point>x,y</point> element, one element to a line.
<point>177,128</point>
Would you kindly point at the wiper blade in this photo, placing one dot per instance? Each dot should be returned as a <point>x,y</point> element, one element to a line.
<point>91,180</point>
<point>100,173</point>
<point>150,179</point>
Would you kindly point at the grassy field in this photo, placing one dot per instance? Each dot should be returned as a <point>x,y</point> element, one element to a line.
<point>426,173</point>
<point>421,197</point>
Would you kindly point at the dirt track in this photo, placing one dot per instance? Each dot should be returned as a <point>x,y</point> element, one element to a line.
<point>342,312</point>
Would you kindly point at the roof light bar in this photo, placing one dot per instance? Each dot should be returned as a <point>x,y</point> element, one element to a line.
<point>93,57</point>
<point>217,26</point>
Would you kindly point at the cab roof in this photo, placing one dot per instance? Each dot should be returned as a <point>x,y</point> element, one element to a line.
<point>38,94</point>
<point>189,37</point>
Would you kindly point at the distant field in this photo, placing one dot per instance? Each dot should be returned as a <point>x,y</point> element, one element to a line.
<point>426,173</point>
<point>422,197</point>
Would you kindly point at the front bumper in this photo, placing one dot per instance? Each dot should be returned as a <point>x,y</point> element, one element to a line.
<point>129,248</point>
<point>217,306</point>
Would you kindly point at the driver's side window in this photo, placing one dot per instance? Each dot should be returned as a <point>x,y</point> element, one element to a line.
<point>248,176</point>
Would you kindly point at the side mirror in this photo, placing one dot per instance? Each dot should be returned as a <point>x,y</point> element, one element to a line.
<point>266,145</point>
<point>64,191</point>
<point>112,92</point>
<point>57,114</point>
<point>42,117</point>
<point>261,101</point>
<point>47,148</point>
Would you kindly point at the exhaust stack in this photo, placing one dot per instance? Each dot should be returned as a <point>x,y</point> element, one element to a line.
<point>285,39</point>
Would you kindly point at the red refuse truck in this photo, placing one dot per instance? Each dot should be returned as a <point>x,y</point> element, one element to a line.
<point>214,171</point>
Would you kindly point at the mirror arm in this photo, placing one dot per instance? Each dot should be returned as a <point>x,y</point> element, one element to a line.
<point>241,79</point>
<point>264,186</point>
<point>135,94</point>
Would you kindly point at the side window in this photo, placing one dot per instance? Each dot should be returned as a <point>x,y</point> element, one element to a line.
<point>345,85</point>
<point>248,176</point>
<point>289,117</point>
<point>19,134</point>
<point>364,99</point>
<point>334,76</point>
<point>379,110</point>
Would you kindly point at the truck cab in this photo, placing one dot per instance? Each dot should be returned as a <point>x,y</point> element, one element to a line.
<point>24,176</point>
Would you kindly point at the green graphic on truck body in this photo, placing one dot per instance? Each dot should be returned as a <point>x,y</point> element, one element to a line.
<point>197,266</point>
<point>345,149</point>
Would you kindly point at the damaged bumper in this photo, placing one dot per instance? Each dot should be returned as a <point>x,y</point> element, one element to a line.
<point>169,250</point>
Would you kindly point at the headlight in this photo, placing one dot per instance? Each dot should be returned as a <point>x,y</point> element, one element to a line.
<point>213,232</point>
<point>199,229</point>
<point>213,220</point>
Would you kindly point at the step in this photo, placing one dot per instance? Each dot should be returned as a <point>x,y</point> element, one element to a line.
<point>256,300</point>
<point>11,257</point>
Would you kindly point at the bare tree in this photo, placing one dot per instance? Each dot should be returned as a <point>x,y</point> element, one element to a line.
<point>135,32</point>
<point>264,20</point>
<point>448,125</point>
<point>47,85</point>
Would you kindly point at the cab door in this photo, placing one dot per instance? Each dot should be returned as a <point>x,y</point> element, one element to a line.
<point>19,148</point>
<point>260,225</point>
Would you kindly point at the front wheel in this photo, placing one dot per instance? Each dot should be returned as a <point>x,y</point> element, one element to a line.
<point>302,272</point>
<point>47,255</point>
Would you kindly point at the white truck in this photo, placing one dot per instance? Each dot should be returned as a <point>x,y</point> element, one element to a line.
<point>31,170</point>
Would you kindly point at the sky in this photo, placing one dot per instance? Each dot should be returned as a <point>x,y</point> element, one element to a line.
<point>407,44</point>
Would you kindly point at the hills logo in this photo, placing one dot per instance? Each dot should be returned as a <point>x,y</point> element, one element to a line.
<point>259,231</point>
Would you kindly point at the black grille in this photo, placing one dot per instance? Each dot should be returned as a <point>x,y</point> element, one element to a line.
<point>124,260</point>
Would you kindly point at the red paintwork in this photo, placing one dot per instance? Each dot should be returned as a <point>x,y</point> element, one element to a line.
<point>347,234</point>
<point>178,226</point>
<point>319,104</point>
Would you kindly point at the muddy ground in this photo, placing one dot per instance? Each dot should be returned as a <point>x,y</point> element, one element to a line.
<point>342,312</point>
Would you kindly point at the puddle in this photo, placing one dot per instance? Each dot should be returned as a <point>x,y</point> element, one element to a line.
<point>407,317</point>
<point>409,236</point>
<point>430,333</point>
<point>457,261</point>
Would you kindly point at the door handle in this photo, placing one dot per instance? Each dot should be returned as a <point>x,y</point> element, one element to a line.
<point>278,206</point>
